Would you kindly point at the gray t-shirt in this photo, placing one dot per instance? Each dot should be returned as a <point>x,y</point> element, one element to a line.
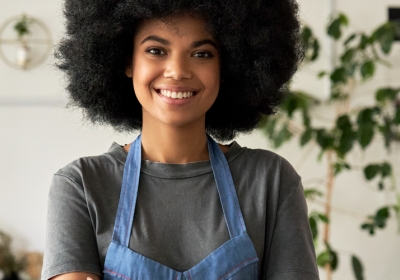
<point>178,217</point>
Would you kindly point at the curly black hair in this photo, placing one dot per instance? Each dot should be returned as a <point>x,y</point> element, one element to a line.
<point>259,46</point>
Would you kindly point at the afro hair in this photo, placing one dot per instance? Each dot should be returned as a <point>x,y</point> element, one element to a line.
<point>259,49</point>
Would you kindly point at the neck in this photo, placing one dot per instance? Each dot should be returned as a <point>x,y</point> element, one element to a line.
<point>166,144</point>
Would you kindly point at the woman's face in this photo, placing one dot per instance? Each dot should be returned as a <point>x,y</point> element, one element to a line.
<point>175,71</point>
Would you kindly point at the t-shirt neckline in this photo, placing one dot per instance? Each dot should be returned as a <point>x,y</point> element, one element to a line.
<point>174,171</point>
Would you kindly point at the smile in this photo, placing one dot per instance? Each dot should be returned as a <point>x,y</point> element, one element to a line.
<point>175,94</point>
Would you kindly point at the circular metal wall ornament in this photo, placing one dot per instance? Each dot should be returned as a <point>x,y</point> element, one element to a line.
<point>25,42</point>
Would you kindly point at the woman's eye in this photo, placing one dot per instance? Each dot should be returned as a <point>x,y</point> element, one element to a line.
<point>203,55</point>
<point>156,51</point>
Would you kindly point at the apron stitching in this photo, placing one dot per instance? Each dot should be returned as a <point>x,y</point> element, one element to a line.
<point>236,267</point>
<point>115,273</point>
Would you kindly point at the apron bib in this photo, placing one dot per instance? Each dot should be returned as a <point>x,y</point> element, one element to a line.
<point>236,259</point>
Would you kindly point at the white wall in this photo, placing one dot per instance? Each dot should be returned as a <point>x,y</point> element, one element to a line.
<point>38,136</point>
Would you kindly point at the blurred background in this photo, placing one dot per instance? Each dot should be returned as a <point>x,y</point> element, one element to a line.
<point>39,135</point>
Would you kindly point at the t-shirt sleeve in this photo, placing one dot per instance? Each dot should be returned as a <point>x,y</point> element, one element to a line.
<point>291,254</point>
<point>70,238</point>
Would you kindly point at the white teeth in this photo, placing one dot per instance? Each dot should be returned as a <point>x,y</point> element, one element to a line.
<point>176,95</point>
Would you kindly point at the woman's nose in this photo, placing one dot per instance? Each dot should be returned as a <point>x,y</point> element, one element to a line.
<point>178,68</point>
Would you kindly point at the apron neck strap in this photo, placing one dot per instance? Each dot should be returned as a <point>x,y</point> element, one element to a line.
<point>130,184</point>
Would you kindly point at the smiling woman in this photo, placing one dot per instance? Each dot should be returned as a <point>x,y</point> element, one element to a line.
<point>174,204</point>
<point>180,59</point>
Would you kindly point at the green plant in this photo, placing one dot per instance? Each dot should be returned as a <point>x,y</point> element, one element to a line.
<point>360,55</point>
<point>22,26</point>
<point>8,262</point>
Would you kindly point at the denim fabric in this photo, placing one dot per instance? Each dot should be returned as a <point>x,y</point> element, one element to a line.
<point>235,259</point>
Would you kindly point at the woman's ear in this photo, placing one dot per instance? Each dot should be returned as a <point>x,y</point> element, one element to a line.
<point>128,71</point>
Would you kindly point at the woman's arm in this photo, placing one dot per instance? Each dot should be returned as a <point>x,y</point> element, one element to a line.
<point>70,240</point>
<point>291,254</point>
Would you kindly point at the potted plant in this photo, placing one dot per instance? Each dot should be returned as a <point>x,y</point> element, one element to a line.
<point>9,264</point>
<point>360,54</point>
<point>22,27</point>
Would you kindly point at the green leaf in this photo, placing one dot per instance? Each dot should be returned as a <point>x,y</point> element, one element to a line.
<point>381,217</point>
<point>339,166</point>
<point>386,131</point>
<point>306,137</point>
<point>366,117</point>
<point>334,260</point>
<point>313,226</point>
<point>345,143</point>
<point>22,26</point>
<point>365,135</point>
<point>311,193</point>
<point>381,186</point>
<point>396,119</point>
<point>283,136</point>
<point>339,75</point>
<point>270,125</point>
<point>386,169</point>
<point>321,74</point>
<point>344,20</point>
<point>371,171</point>
<point>323,218</point>
<point>315,49</point>
<point>357,268</point>
<point>306,35</point>
<point>384,94</point>
<point>386,44</point>
<point>348,55</point>
<point>385,35</point>
<point>368,69</point>
<point>333,29</point>
<point>343,123</point>
<point>349,39</point>
<point>364,41</point>
<point>323,258</point>
<point>290,104</point>
<point>291,107</point>
<point>370,227</point>
<point>306,117</point>
<point>324,139</point>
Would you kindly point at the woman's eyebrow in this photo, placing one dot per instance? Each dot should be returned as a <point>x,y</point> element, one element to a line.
<point>157,39</point>
<point>195,44</point>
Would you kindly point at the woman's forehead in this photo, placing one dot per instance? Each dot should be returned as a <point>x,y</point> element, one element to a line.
<point>180,26</point>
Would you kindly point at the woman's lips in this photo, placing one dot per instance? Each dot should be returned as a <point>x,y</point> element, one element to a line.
<point>176,97</point>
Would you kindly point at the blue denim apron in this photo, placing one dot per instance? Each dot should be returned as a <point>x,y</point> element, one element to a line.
<point>235,259</point>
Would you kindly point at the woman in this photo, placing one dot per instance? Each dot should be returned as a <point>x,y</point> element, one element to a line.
<point>174,204</point>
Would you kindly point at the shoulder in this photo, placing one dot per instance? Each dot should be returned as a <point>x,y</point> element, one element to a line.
<point>111,162</point>
<point>265,169</point>
<point>264,161</point>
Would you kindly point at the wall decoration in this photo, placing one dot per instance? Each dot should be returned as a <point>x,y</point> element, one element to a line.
<point>25,42</point>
